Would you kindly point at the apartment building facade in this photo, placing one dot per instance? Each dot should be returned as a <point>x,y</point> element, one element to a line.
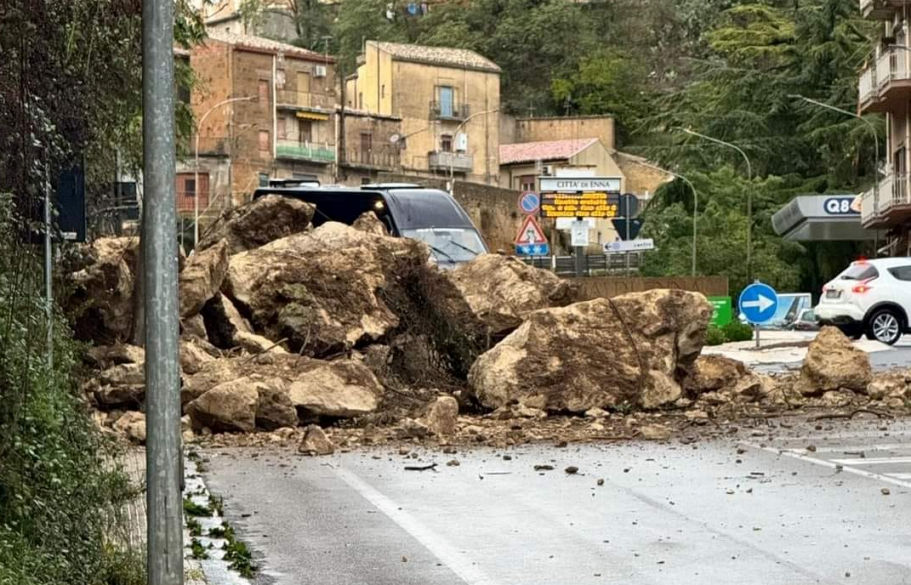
<point>885,87</point>
<point>264,110</point>
<point>447,99</point>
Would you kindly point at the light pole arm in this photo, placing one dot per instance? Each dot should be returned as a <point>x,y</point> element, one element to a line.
<point>749,196</point>
<point>729,145</point>
<point>456,133</point>
<point>695,203</point>
<point>869,125</point>
<point>196,162</point>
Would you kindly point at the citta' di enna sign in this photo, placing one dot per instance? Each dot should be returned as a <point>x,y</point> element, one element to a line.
<point>580,184</point>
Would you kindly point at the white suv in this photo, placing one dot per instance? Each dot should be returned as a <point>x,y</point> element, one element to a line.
<point>871,297</point>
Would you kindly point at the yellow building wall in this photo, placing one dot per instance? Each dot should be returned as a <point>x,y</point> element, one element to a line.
<point>406,89</point>
<point>576,127</point>
<point>415,88</point>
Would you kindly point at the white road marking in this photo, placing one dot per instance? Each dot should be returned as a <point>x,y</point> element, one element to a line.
<point>872,460</point>
<point>851,449</point>
<point>830,464</point>
<point>900,475</point>
<point>457,562</point>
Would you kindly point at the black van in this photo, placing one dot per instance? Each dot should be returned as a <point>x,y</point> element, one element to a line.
<point>407,210</point>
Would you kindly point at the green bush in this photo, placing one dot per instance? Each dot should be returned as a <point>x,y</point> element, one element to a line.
<point>714,336</point>
<point>62,492</point>
<point>737,331</point>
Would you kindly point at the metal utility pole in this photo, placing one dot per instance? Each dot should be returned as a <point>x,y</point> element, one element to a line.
<point>749,196</point>
<point>159,243</point>
<point>48,274</point>
<point>695,204</point>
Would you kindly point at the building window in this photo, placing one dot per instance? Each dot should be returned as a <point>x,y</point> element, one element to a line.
<point>304,131</point>
<point>446,101</point>
<point>360,101</point>
<point>264,92</point>
<point>383,90</point>
<point>527,183</point>
<point>446,143</point>
<point>189,187</point>
<point>366,142</point>
<point>263,141</point>
<point>282,128</point>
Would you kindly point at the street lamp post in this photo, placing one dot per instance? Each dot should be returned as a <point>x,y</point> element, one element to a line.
<point>749,195</point>
<point>456,133</point>
<point>869,125</point>
<point>196,163</point>
<point>695,204</point>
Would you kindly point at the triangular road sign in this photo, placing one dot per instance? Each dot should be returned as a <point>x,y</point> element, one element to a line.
<point>530,232</point>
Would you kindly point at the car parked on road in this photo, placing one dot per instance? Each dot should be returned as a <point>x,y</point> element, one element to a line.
<point>407,210</point>
<point>806,321</point>
<point>871,297</point>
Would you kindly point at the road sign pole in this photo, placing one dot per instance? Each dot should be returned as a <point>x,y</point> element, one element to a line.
<point>756,329</point>
<point>159,248</point>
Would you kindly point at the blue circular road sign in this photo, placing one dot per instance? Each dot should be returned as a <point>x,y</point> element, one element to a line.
<point>758,303</point>
<point>529,202</point>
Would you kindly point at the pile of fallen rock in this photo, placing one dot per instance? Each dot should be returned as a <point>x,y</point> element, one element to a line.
<point>285,326</point>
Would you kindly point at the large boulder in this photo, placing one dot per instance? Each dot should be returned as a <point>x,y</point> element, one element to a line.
<point>496,293</point>
<point>132,425</point>
<point>338,388</point>
<point>263,220</point>
<point>341,388</point>
<point>101,297</point>
<point>223,322</point>
<point>630,351</point>
<point>202,277</point>
<point>274,409</point>
<point>833,363</point>
<point>119,386</point>
<point>442,416</point>
<point>106,356</point>
<point>193,354</point>
<point>230,406</point>
<point>325,291</point>
<point>726,377</point>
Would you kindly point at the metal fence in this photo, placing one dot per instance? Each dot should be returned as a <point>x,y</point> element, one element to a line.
<point>592,264</point>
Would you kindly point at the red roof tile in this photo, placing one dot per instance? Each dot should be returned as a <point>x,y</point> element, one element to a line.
<point>547,150</point>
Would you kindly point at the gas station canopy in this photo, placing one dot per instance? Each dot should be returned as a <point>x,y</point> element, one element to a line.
<point>821,218</point>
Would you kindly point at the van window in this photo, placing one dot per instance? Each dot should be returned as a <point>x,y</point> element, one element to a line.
<point>860,272</point>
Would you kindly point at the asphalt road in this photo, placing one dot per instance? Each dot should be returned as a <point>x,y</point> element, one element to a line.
<point>768,506</point>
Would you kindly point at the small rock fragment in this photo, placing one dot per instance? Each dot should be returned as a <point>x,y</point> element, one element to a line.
<point>315,442</point>
<point>571,470</point>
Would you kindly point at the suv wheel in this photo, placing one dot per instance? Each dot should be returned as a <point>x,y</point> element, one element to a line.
<point>885,326</point>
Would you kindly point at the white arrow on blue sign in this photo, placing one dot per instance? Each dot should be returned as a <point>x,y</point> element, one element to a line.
<point>758,303</point>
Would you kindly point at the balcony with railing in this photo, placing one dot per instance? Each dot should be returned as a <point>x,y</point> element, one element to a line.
<point>458,162</point>
<point>303,100</point>
<point>372,158</point>
<point>886,83</point>
<point>449,111</point>
<point>881,9</point>
<point>321,152</point>
<point>891,207</point>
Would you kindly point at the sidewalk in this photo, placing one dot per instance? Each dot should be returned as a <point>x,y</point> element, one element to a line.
<point>780,347</point>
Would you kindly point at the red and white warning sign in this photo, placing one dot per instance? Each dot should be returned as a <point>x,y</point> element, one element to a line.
<point>530,233</point>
